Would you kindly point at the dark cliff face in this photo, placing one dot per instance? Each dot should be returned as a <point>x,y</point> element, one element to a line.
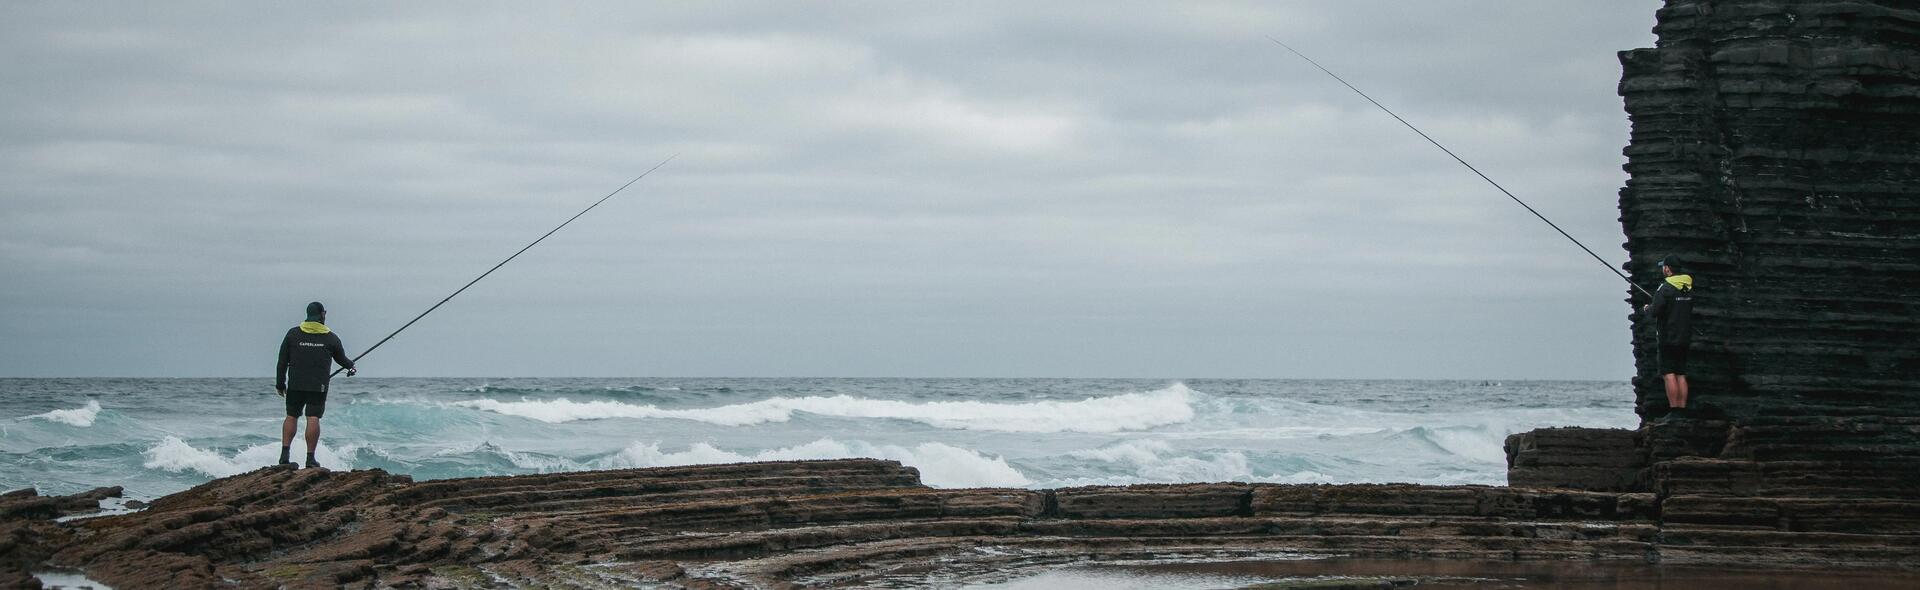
<point>1776,146</point>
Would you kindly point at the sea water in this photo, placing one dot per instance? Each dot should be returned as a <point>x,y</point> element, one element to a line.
<point>158,436</point>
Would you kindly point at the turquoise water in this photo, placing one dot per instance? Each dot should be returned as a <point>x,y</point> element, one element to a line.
<point>158,436</point>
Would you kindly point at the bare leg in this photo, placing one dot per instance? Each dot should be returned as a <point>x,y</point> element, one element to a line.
<point>1682,381</point>
<point>1673,387</point>
<point>286,432</point>
<point>313,433</point>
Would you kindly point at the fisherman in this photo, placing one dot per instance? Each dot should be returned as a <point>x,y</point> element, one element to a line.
<point>1672,310</point>
<point>307,355</point>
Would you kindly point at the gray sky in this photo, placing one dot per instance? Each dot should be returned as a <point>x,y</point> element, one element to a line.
<point>863,189</point>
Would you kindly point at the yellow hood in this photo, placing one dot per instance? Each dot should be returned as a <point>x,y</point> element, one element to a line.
<point>319,328</point>
<point>1682,282</point>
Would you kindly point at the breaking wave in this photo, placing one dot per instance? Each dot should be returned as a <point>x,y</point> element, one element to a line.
<point>175,455</point>
<point>941,465</point>
<point>1157,461</point>
<point>82,416</point>
<point>1131,411</point>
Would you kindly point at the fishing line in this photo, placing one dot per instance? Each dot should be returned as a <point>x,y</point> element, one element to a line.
<point>1457,158</point>
<point>356,358</point>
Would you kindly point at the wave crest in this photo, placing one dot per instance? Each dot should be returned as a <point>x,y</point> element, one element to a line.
<point>941,465</point>
<point>1131,411</point>
<point>82,416</point>
<point>174,455</point>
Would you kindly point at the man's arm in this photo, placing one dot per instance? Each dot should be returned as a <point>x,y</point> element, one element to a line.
<point>286,359</point>
<point>1660,297</point>
<point>340,353</point>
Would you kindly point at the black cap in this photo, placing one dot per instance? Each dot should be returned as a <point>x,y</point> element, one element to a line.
<point>315,310</point>
<point>1672,260</point>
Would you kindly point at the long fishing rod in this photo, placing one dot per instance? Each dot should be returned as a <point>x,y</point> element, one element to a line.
<point>356,358</point>
<point>1456,158</point>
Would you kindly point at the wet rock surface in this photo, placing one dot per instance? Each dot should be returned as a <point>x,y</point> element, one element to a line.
<point>1602,459</point>
<point>861,522</point>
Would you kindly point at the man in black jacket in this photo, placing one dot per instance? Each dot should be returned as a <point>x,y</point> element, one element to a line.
<point>1672,310</point>
<point>307,355</point>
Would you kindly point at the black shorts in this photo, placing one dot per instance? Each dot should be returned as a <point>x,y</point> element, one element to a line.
<point>313,402</point>
<point>1673,359</point>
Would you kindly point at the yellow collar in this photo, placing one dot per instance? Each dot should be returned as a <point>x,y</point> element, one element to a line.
<point>314,328</point>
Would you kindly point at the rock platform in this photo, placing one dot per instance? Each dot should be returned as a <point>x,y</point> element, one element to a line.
<point>861,522</point>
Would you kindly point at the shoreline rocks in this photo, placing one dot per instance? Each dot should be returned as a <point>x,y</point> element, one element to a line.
<point>849,522</point>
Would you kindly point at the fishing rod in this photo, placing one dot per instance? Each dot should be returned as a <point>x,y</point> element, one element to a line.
<point>356,358</point>
<point>1457,158</point>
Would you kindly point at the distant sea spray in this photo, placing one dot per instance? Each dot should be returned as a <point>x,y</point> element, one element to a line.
<point>82,416</point>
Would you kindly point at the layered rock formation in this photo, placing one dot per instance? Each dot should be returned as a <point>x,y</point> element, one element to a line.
<point>28,531</point>
<point>794,524</point>
<point>1776,146</point>
<point>867,522</point>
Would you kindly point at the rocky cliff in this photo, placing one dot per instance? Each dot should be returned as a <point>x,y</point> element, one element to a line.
<point>1776,146</point>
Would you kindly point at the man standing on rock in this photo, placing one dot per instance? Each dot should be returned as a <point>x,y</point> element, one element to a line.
<point>1672,310</point>
<point>307,355</point>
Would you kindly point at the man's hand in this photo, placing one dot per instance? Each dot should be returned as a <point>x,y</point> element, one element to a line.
<point>281,392</point>
<point>352,372</point>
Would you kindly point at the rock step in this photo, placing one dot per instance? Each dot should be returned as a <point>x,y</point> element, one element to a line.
<point>1124,547</point>
<point>638,545</point>
<point>29,504</point>
<point>1773,557</point>
<point>1888,478</point>
<point>533,499</point>
<point>1595,459</point>
<point>1797,514</point>
<point>688,477</point>
<point>735,514</point>
<point>1416,500</point>
<point>1709,535</point>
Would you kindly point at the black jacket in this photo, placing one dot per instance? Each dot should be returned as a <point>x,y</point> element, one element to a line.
<point>307,357</point>
<point>1672,310</point>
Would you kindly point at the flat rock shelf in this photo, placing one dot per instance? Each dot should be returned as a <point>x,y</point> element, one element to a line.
<point>860,522</point>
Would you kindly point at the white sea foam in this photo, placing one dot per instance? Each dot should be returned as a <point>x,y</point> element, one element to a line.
<point>941,465</point>
<point>82,416</point>
<point>1132,411</point>
<point>175,455</point>
<point>1157,461</point>
<point>1479,443</point>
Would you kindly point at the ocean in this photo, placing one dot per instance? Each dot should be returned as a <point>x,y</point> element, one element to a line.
<point>158,436</point>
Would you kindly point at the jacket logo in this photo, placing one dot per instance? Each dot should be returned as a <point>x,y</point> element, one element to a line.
<point>313,344</point>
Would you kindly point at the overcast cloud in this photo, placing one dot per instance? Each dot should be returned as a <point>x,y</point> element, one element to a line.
<point>862,189</point>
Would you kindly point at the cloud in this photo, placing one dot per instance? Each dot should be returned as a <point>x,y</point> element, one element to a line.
<point>861,190</point>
